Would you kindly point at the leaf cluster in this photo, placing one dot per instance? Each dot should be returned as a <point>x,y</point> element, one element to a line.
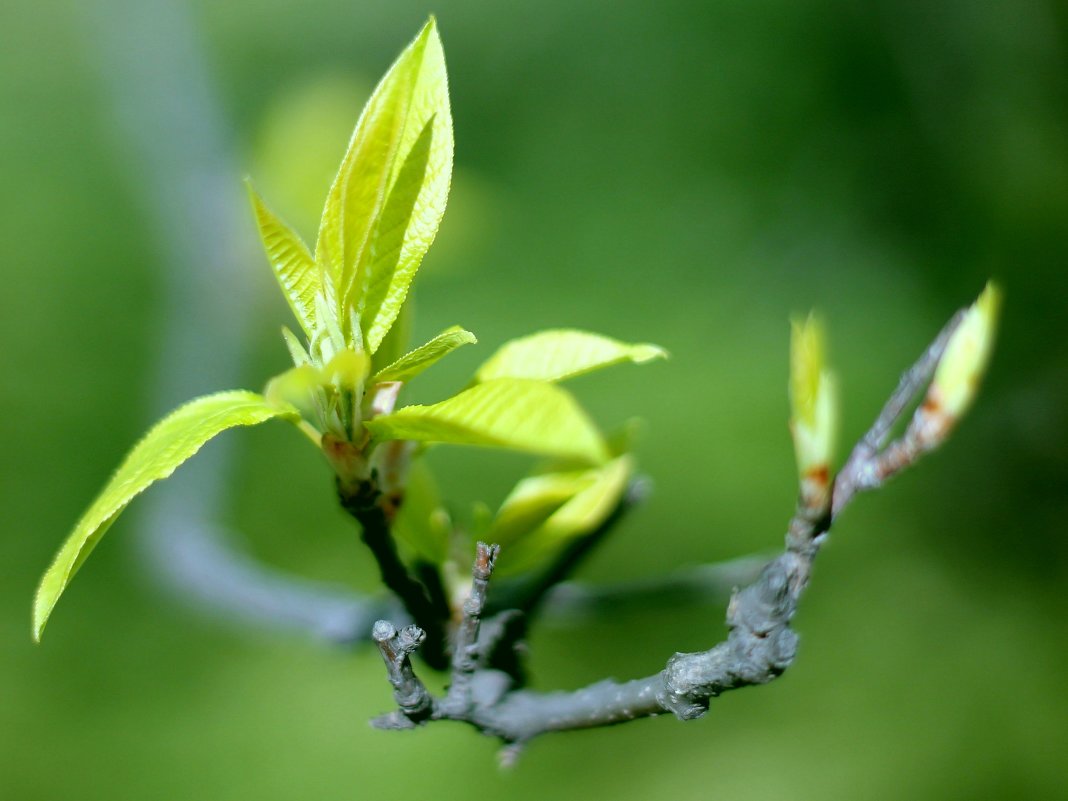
<point>351,360</point>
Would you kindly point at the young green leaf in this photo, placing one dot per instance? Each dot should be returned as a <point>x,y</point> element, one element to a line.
<point>166,446</point>
<point>401,240</point>
<point>387,200</point>
<point>533,501</point>
<point>813,400</point>
<point>558,354</point>
<point>960,370</point>
<point>589,497</point>
<point>419,193</point>
<point>412,364</point>
<point>293,265</point>
<point>529,416</point>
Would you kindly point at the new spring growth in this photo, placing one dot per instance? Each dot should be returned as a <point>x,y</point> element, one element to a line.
<point>814,412</point>
<point>960,371</point>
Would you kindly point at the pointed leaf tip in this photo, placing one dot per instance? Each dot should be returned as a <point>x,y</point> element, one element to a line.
<point>163,449</point>
<point>964,362</point>
<point>386,202</point>
<point>412,364</point>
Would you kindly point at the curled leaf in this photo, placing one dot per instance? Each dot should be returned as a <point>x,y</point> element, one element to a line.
<point>387,200</point>
<point>547,512</point>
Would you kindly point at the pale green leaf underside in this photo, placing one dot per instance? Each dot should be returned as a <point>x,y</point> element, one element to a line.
<point>529,416</point>
<point>558,354</point>
<point>388,198</point>
<point>166,446</point>
<point>293,265</point>
<point>411,364</point>
<point>588,497</point>
<point>532,501</point>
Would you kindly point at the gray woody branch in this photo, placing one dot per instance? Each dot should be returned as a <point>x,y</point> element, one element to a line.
<point>760,645</point>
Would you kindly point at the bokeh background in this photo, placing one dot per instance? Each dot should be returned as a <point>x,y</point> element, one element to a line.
<point>686,173</point>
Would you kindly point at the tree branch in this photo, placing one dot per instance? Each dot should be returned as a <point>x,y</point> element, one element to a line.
<point>375,531</point>
<point>465,656</point>
<point>760,645</point>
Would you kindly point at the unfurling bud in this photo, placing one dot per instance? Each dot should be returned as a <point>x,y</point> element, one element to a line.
<point>347,369</point>
<point>961,367</point>
<point>814,412</point>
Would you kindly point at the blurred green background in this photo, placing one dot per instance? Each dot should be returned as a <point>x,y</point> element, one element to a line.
<point>686,173</point>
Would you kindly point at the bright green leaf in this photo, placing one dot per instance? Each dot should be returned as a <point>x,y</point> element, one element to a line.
<point>293,265</point>
<point>532,501</point>
<point>170,442</point>
<point>529,416</point>
<point>562,353</point>
<point>418,195</point>
<point>576,503</point>
<point>387,200</point>
<point>399,213</point>
<point>346,369</point>
<point>410,365</point>
<point>409,224</point>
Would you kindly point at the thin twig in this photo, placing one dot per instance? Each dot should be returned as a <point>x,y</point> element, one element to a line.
<point>856,473</point>
<point>465,657</point>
